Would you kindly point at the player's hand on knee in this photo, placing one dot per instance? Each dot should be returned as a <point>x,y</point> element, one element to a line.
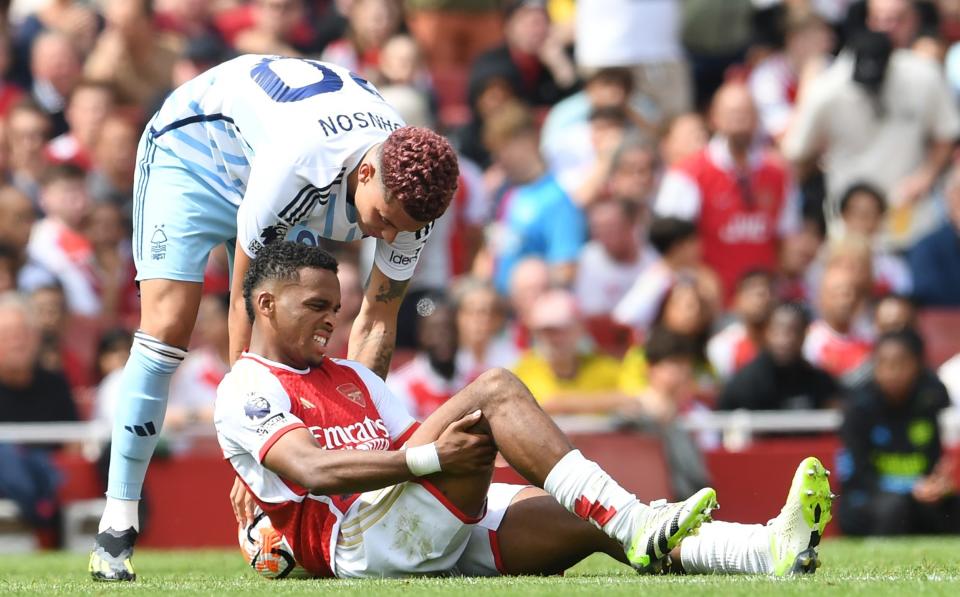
<point>464,452</point>
<point>242,502</point>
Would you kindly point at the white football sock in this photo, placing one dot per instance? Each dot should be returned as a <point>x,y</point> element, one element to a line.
<point>120,515</point>
<point>583,488</point>
<point>728,548</point>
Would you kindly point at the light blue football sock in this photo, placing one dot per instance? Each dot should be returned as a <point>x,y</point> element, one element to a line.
<point>139,416</point>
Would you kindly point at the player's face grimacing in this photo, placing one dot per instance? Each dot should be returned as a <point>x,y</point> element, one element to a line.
<point>305,316</point>
<point>376,215</point>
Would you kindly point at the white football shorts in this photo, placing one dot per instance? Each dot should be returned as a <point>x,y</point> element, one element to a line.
<point>411,529</point>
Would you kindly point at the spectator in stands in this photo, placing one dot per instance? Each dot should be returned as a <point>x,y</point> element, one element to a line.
<point>710,49</point>
<point>949,374</point>
<point>191,19</point>
<point>452,33</point>
<point>838,342</point>
<point>739,194</point>
<point>862,208</point>
<point>17,216</point>
<point>193,387</point>
<point>10,92</point>
<point>481,319</point>
<point>351,297</point>
<point>490,88</point>
<point>895,478</point>
<point>903,21</point>
<point>530,280</point>
<point>536,217</point>
<point>371,24</point>
<point>603,88</point>
<point>9,264</point>
<point>56,354</point>
<point>562,377</point>
<point>88,107</point>
<point>432,377</point>
<point>582,133</point>
<point>610,263</point>
<point>894,312</point>
<point>775,81</point>
<point>401,65</point>
<point>935,260</point>
<point>27,134</point>
<point>113,266</point>
<point>851,116</point>
<point>633,175</point>
<point>76,20</point>
<point>534,58</point>
<point>29,394</point>
<point>779,378</point>
<point>644,39</point>
<point>58,243</point>
<point>279,27</point>
<point>683,136</point>
<point>131,54</point>
<point>669,393</point>
<point>678,244</point>
<point>739,342</point>
<point>199,55</point>
<point>112,352</point>
<point>798,252</point>
<point>56,68</point>
<point>114,163</point>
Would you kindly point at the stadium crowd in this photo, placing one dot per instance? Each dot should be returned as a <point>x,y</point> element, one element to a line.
<point>664,207</point>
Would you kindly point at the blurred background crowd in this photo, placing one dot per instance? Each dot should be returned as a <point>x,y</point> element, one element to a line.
<point>665,207</point>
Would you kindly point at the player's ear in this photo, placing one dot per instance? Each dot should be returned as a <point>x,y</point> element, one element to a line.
<point>366,172</point>
<point>266,303</point>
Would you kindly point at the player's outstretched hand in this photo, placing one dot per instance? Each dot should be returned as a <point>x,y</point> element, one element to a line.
<point>465,452</point>
<point>242,503</point>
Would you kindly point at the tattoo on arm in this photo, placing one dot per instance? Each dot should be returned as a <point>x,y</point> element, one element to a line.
<point>391,290</point>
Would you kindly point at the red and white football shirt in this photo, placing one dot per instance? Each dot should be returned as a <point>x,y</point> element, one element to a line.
<point>344,405</point>
<point>838,354</point>
<point>741,217</point>
<point>730,349</point>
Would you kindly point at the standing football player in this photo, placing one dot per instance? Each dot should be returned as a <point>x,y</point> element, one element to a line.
<point>257,150</point>
<point>355,487</point>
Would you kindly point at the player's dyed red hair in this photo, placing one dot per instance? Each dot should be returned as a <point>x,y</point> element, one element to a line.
<point>419,169</point>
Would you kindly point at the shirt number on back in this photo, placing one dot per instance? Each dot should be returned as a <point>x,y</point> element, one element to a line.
<point>279,91</point>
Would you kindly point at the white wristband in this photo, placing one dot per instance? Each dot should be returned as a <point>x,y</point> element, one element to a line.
<point>423,460</point>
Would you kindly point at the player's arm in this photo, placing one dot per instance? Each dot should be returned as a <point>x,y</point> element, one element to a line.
<point>238,323</point>
<point>374,332</point>
<point>297,457</point>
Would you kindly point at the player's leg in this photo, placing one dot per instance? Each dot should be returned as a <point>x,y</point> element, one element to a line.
<point>532,443</point>
<point>177,221</point>
<point>785,545</point>
<point>538,536</point>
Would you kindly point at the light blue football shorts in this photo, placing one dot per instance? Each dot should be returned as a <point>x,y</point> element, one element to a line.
<point>178,217</point>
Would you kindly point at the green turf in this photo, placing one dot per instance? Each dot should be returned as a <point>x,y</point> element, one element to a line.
<point>876,567</point>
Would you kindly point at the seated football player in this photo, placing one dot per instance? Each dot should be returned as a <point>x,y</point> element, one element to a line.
<point>353,486</point>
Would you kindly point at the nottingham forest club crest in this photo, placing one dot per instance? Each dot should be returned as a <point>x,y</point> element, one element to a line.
<point>158,243</point>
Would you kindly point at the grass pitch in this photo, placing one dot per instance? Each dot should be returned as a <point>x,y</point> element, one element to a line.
<point>911,567</point>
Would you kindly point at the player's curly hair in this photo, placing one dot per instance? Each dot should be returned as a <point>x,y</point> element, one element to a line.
<point>282,261</point>
<point>419,169</point>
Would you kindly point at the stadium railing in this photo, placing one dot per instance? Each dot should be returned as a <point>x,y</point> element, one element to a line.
<point>736,429</point>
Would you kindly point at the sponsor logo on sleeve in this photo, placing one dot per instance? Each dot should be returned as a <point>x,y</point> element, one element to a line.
<point>272,423</point>
<point>256,407</point>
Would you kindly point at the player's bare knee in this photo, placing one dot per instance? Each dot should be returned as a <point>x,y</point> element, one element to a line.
<point>500,387</point>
